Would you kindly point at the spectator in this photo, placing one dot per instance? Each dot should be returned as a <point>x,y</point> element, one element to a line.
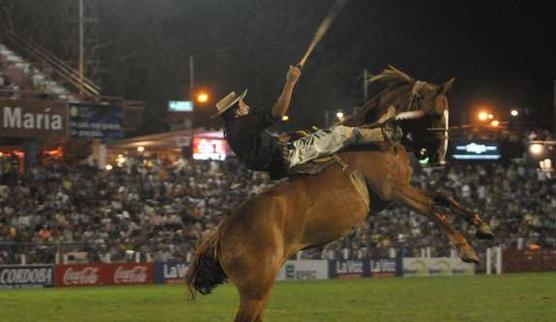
<point>162,210</point>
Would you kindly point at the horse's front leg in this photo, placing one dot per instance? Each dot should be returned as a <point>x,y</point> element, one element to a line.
<point>445,200</point>
<point>419,201</point>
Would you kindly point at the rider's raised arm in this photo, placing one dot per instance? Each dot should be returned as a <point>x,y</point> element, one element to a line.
<point>281,106</point>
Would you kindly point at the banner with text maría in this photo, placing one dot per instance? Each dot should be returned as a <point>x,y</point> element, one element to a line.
<point>28,118</point>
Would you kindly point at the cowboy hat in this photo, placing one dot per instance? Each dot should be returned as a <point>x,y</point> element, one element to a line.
<point>228,101</point>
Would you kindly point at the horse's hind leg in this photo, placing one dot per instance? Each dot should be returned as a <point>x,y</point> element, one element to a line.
<point>253,300</point>
<point>252,267</point>
<point>251,307</point>
<point>483,230</point>
<point>423,204</point>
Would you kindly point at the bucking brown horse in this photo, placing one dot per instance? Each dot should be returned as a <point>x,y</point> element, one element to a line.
<point>251,244</point>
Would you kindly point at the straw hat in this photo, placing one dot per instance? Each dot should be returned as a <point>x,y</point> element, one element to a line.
<point>228,101</point>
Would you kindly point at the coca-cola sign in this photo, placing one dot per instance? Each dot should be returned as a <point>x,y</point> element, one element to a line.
<point>86,275</point>
<point>104,274</point>
<point>134,275</point>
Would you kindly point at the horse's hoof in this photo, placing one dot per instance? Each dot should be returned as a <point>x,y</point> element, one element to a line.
<point>484,232</point>
<point>469,256</point>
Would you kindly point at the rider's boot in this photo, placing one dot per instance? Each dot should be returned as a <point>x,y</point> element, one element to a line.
<point>362,136</point>
<point>379,134</point>
<point>385,129</point>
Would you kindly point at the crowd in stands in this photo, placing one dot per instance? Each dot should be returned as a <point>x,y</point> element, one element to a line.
<point>160,210</point>
<point>18,82</point>
<point>8,89</point>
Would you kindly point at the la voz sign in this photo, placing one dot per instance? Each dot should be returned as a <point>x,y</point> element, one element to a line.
<point>349,268</point>
<point>171,273</point>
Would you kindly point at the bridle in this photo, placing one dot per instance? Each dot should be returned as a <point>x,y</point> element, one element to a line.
<point>415,96</point>
<point>413,111</point>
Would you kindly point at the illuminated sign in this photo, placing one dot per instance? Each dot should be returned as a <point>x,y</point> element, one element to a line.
<point>476,151</point>
<point>180,106</point>
<point>207,148</point>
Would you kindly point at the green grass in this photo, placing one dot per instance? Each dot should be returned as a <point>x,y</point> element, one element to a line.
<point>513,297</point>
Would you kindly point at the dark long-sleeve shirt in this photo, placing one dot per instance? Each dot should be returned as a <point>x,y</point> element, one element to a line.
<point>250,139</point>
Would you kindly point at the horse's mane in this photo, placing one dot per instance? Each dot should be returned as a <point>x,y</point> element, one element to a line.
<point>392,81</point>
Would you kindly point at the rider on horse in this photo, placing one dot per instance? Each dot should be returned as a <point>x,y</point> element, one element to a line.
<point>247,132</point>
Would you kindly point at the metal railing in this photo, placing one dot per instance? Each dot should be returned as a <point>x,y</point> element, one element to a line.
<point>60,70</point>
<point>62,252</point>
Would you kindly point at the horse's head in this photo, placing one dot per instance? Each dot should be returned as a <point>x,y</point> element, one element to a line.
<point>426,120</point>
<point>422,107</point>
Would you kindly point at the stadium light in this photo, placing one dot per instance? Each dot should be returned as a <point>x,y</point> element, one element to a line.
<point>202,97</point>
<point>483,116</point>
<point>536,149</point>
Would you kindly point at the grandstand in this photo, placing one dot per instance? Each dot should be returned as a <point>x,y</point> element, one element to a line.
<point>49,108</point>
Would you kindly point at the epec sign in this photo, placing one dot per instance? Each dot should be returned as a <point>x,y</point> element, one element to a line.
<point>33,118</point>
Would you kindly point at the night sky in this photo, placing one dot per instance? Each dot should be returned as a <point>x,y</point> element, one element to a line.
<point>502,54</point>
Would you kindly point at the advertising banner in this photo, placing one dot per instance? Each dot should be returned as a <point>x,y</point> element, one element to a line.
<point>132,273</point>
<point>436,266</point>
<point>386,267</point>
<point>26,276</point>
<point>304,270</point>
<point>169,273</point>
<point>80,275</point>
<point>541,260</point>
<point>104,274</point>
<point>27,118</point>
<point>210,148</point>
<point>475,151</point>
<point>349,268</point>
<point>96,121</point>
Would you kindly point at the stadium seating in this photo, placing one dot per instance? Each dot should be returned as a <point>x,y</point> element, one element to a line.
<point>159,211</point>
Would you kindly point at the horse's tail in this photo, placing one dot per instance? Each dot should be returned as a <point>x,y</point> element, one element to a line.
<point>205,272</point>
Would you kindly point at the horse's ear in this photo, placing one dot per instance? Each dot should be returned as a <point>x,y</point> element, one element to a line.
<point>444,88</point>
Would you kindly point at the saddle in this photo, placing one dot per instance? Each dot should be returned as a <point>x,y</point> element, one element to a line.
<point>320,164</point>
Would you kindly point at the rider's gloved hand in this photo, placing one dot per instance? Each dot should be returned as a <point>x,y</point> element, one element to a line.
<point>293,74</point>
